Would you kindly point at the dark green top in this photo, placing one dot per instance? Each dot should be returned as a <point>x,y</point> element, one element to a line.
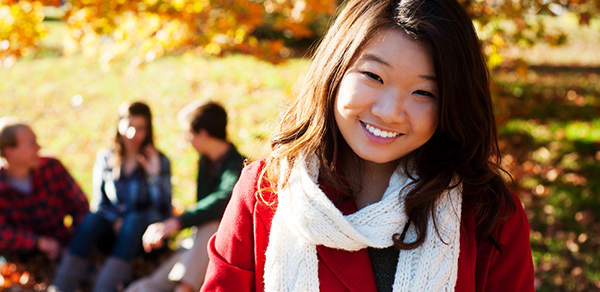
<point>214,188</point>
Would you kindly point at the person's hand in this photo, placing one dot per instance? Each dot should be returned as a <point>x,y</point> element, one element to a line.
<point>157,232</point>
<point>150,160</point>
<point>49,246</point>
<point>183,287</point>
<point>117,226</point>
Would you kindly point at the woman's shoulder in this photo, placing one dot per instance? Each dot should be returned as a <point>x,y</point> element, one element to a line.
<point>254,169</point>
<point>511,220</point>
<point>510,205</point>
<point>246,191</point>
<point>517,220</point>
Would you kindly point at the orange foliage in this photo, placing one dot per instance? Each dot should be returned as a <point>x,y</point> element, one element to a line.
<point>109,28</point>
<point>20,29</point>
<point>264,28</point>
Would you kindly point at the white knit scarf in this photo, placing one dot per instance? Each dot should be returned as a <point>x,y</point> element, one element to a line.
<point>305,218</point>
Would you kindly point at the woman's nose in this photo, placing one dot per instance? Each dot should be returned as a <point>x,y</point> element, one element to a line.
<point>389,106</point>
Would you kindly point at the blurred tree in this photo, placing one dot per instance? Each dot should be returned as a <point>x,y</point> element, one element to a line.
<point>505,23</point>
<point>268,29</point>
<point>210,27</point>
<point>20,28</point>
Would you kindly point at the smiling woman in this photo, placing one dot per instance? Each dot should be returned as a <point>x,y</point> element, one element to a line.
<point>384,174</point>
<point>386,107</point>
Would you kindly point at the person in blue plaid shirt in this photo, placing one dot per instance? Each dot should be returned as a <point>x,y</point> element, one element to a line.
<point>132,189</point>
<point>36,194</point>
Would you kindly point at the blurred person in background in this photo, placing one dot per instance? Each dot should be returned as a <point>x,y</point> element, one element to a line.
<point>132,189</point>
<point>36,193</point>
<point>219,168</point>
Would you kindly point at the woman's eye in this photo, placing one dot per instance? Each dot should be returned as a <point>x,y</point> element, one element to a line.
<point>424,93</point>
<point>373,76</point>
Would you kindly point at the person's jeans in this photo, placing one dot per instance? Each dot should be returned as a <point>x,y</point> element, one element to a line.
<point>95,229</point>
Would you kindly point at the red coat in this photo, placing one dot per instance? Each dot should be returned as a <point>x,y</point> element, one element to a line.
<point>237,250</point>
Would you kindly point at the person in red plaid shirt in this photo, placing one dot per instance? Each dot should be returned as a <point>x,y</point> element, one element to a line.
<point>36,193</point>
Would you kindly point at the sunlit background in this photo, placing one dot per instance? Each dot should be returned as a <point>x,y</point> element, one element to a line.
<point>67,66</point>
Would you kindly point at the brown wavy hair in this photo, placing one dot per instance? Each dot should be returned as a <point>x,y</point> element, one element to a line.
<point>465,143</point>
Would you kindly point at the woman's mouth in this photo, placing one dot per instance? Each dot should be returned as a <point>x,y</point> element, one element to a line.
<point>380,133</point>
<point>379,136</point>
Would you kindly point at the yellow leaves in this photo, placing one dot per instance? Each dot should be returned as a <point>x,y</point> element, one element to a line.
<point>212,49</point>
<point>240,34</point>
<point>178,4</point>
<point>252,41</point>
<point>494,59</point>
<point>151,2</point>
<point>497,40</point>
<point>210,27</point>
<point>197,6</point>
<point>20,29</point>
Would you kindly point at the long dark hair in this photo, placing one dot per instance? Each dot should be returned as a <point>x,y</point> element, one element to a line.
<point>465,143</point>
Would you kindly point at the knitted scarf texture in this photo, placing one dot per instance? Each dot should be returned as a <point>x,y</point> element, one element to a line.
<point>305,218</point>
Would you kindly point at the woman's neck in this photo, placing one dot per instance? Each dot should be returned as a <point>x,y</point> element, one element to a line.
<point>130,154</point>
<point>129,163</point>
<point>374,179</point>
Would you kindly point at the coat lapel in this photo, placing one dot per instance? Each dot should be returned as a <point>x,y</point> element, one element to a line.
<point>353,269</point>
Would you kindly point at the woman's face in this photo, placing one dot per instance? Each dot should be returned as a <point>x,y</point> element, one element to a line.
<point>386,105</point>
<point>133,130</point>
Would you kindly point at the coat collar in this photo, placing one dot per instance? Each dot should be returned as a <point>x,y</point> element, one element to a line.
<point>352,268</point>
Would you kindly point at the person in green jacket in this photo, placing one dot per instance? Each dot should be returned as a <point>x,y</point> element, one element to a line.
<point>219,169</point>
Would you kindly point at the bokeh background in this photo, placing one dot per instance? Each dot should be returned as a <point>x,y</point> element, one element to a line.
<point>66,66</point>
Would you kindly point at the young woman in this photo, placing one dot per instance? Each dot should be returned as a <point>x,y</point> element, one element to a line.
<point>385,172</point>
<point>132,189</point>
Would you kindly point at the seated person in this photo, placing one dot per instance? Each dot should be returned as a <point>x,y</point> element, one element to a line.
<point>132,189</point>
<point>219,169</point>
<point>36,193</point>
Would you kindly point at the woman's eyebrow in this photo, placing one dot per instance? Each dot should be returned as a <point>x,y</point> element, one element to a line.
<point>375,58</point>
<point>430,78</point>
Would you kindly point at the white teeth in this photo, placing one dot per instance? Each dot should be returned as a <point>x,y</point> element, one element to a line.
<point>379,133</point>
